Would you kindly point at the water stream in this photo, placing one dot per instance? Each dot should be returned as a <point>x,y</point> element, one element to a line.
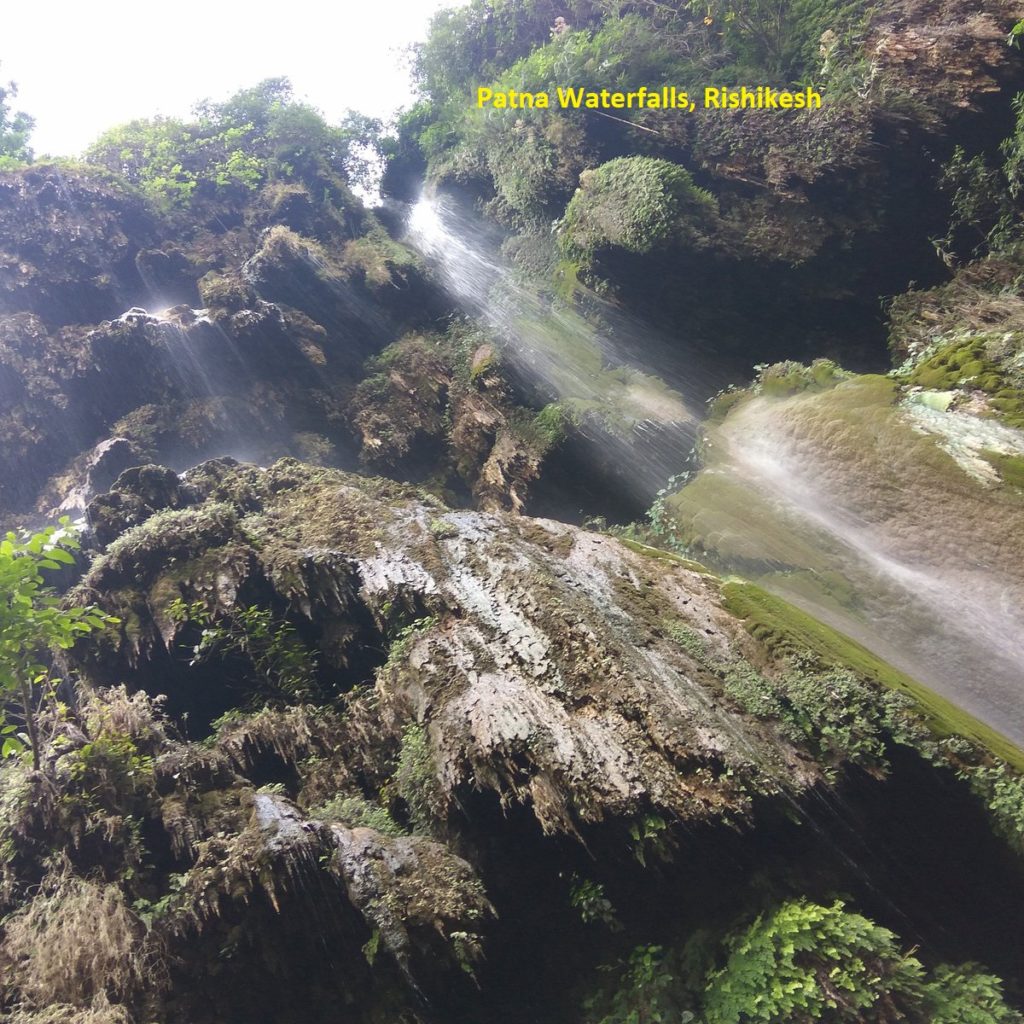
<point>925,569</point>
<point>633,393</point>
<point>902,561</point>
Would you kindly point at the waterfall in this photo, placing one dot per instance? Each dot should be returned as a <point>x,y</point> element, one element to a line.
<point>930,563</point>
<point>617,383</point>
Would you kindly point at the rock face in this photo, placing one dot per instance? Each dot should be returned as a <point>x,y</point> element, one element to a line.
<point>415,729</point>
<point>69,246</point>
<point>539,658</point>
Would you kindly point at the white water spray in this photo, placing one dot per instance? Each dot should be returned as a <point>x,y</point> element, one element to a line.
<point>615,381</point>
<point>923,598</point>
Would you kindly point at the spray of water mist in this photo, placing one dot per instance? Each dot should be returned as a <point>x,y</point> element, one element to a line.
<point>623,383</point>
<point>924,600</point>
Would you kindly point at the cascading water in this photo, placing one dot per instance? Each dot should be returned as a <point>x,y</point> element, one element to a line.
<point>629,398</point>
<point>907,565</point>
<point>910,587</point>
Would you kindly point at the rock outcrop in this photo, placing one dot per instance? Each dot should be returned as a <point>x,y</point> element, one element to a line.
<point>381,689</point>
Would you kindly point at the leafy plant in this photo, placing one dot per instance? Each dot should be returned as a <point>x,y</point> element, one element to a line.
<point>1002,789</point>
<point>649,834</point>
<point>415,777</point>
<point>284,667</point>
<point>33,621</point>
<point>151,911</point>
<point>589,898</point>
<point>805,963</point>
<point>644,993</point>
<point>358,811</point>
<point>229,149</point>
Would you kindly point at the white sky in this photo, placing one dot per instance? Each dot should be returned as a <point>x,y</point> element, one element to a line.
<point>83,67</point>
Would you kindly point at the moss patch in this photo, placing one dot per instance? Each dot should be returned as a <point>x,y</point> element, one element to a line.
<point>969,363</point>
<point>787,630</point>
<point>664,556</point>
<point>1009,467</point>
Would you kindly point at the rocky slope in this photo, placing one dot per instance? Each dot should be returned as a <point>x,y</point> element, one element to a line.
<point>405,721</point>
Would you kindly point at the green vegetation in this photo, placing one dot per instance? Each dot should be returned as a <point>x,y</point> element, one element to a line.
<point>415,776</point>
<point>644,992</point>
<point>357,811</point>
<point>15,129</point>
<point>635,203</point>
<point>967,362</point>
<point>533,158</point>
<point>589,898</point>
<point>1003,793</point>
<point>403,635</point>
<point>841,716</point>
<point>230,149</point>
<point>799,963</point>
<point>811,964</point>
<point>985,196</point>
<point>790,378</point>
<point>33,622</point>
<point>283,669</point>
<point>788,631</point>
<point>1009,467</point>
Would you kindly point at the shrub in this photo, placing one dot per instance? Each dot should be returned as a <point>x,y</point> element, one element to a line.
<point>32,621</point>
<point>635,203</point>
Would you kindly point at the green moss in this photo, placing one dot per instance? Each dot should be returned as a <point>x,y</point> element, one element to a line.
<point>789,632</point>
<point>690,641</point>
<point>789,378</point>
<point>173,533</point>
<point>378,257</point>
<point>1009,467</point>
<point>551,423</point>
<point>722,404</point>
<point>968,363</point>
<point>637,203</point>
<point>665,556</point>
<point>227,292</point>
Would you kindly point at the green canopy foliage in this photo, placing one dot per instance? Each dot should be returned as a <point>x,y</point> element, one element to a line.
<point>230,149</point>
<point>533,157</point>
<point>15,129</point>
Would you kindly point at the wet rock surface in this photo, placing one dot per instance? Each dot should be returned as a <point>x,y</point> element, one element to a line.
<point>496,701</point>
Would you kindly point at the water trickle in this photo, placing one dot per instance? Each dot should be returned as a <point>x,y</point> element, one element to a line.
<point>928,558</point>
<point>626,385</point>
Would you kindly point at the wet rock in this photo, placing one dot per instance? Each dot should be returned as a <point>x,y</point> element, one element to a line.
<point>169,275</point>
<point>95,472</point>
<point>69,245</point>
<point>532,645</point>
